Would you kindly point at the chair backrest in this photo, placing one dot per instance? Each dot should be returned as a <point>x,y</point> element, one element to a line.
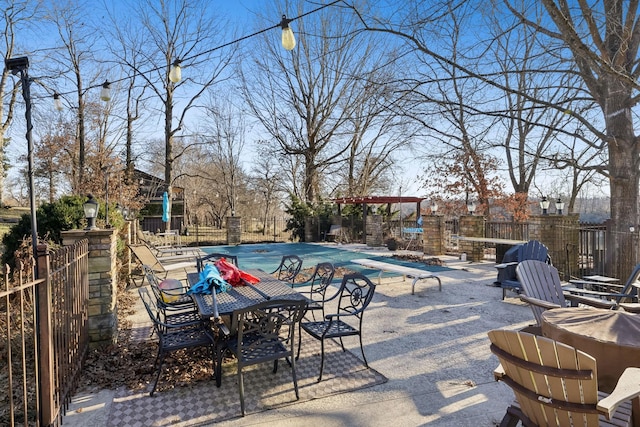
<point>201,261</point>
<point>289,268</point>
<point>146,256</point>
<point>356,292</point>
<point>632,285</point>
<point>155,314</point>
<point>535,250</point>
<point>554,384</point>
<point>320,279</point>
<point>266,330</point>
<point>540,280</point>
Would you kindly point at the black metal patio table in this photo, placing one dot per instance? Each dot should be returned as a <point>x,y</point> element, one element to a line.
<point>240,297</point>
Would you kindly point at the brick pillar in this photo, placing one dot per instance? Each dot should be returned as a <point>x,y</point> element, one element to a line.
<point>103,286</point>
<point>234,230</point>
<point>374,231</point>
<point>472,226</point>
<point>559,233</point>
<point>433,228</point>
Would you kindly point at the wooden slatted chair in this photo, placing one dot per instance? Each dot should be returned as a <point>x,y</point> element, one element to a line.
<point>542,289</point>
<point>556,385</point>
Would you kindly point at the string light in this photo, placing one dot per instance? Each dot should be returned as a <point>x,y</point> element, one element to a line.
<point>288,39</point>
<point>57,103</point>
<point>175,72</point>
<point>105,93</point>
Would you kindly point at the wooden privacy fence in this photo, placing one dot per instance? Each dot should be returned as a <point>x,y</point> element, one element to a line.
<point>44,335</point>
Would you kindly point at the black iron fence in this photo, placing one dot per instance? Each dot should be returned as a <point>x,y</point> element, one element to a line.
<point>44,336</point>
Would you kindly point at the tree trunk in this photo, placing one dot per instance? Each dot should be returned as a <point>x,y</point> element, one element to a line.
<point>624,179</point>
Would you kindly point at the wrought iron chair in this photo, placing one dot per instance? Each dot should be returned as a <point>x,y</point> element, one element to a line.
<point>355,293</point>
<point>319,282</point>
<point>265,332</point>
<point>173,297</point>
<point>201,261</point>
<point>289,268</point>
<point>174,335</point>
<point>555,384</point>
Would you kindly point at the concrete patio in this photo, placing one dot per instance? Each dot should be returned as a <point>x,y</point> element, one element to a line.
<point>432,347</point>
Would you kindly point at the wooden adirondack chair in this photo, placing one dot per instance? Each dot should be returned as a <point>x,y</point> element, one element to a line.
<point>556,385</point>
<point>543,290</point>
<point>507,277</point>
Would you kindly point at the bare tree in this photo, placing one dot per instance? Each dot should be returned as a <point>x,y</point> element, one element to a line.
<point>15,15</point>
<point>314,102</point>
<point>182,31</point>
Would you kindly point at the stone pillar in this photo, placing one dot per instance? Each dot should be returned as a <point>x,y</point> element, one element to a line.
<point>433,228</point>
<point>374,236</point>
<point>560,234</point>
<point>103,286</point>
<point>472,226</point>
<point>234,230</point>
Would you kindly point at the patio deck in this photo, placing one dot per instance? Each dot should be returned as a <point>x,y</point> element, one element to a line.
<point>432,347</point>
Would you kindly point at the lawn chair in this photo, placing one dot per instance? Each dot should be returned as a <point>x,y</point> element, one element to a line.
<point>543,291</point>
<point>145,256</point>
<point>289,268</point>
<point>507,278</point>
<point>175,335</point>
<point>556,385</point>
<point>354,296</point>
<point>265,333</point>
<point>161,249</point>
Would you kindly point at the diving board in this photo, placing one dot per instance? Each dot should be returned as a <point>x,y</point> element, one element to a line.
<point>412,273</point>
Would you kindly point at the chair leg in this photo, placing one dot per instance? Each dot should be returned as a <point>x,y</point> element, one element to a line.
<point>275,366</point>
<point>158,375</point>
<point>321,358</point>
<point>295,378</point>
<point>362,350</point>
<point>241,390</point>
<point>342,344</point>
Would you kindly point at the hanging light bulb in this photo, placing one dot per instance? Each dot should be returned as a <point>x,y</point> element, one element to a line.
<point>288,39</point>
<point>105,93</point>
<point>175,73</point>
<point>57,103</point>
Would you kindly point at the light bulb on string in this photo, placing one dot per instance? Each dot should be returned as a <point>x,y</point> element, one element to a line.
<point>288,38</point>
<point>175,73</point>
<point>105,93</point>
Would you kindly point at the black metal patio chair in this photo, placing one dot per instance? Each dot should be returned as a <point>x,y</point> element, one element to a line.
<point>318,283</point>
<point>173,336</point>
<point>354,296</point>
<point>289,268</point>
<point>265,332</point>
<point>201,261</point>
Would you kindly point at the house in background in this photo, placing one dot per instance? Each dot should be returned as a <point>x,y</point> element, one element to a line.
<point>152,188</point>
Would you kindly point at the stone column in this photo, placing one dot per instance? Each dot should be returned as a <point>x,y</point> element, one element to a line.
<point>433,228</point>
<point>560,234</point>
<point>374,236</point>
<point>234,230</point>
<point>472,226</point>
<point>103,286</point>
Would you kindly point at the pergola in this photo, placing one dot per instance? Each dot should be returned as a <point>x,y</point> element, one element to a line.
<point>376,200</point>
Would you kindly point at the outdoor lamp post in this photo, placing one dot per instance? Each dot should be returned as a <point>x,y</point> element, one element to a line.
<point>471,207</point>
<point>90,212</point>
<point>544,205</point>
<point>559,206</point>
<point>21,66</point>
<point>434,208</point>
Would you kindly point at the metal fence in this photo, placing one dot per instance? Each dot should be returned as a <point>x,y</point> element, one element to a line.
<point>253,231</point>
<point>44,337</point>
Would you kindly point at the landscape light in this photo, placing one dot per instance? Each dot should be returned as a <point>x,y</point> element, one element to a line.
<point>471,207</point>
<point>90,212</point>
<point>434,208</point>
<point>288,39</point>
<point>559,206</point>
